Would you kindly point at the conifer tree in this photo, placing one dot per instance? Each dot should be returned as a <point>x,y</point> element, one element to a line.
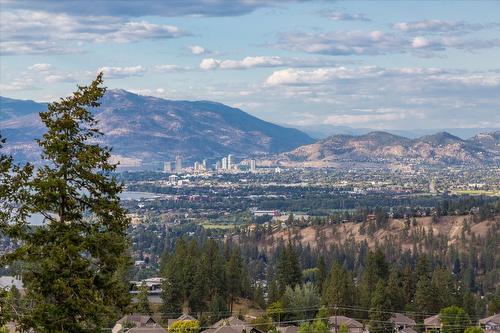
<point>289,272</point>
<point>339,288</point>
<point>73,265</point>
<point>378,313</point>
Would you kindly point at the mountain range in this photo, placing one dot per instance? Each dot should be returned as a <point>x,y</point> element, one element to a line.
<point>322,131</point>
<point>384,148</point>
<point>145,130</point>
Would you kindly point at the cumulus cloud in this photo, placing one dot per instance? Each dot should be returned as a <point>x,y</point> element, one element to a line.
<point>245,63</point>
<point>341,43</point>
<point>122,72</point>
<point>266,61</point>
<point>292,76</point>
<point>342,16</point>
<point>439,26</point>
<point>196,49</point>
<point>56,78</point>
<point>171,68</point>
<point>38,32</point>
<point>373,96</point>
<point>40,67</point>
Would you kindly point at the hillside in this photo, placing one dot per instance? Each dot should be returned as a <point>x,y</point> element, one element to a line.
<point>385,148</point>
<point>154,129</point>
<point>448,230</point>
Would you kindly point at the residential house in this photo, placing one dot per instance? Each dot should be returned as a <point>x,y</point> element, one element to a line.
<point>432,324</point>
<point>182,317</point>
<point>353,326</point>
<point>134,321</point>
<point>237,326</point>
<point>402,323</point>
<point>491,324</point>
<point>146,330</point>
<point>7,282</point>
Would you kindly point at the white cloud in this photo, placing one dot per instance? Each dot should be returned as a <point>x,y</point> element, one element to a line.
<point>121,72</point>
<point>40,67</point>
<point>419,42</point>
<point>56,78</point>
<point>245,63</point>
<point>38,32</point>
<point>170,68</point>
<point>196,49</point>
<point>342,43</point>
<point>292,76</point>
<point>19,84</point>
<point>342,16</point>
<point>438,26</point>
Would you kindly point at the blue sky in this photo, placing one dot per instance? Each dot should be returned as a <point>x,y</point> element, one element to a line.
<point>386,65</point>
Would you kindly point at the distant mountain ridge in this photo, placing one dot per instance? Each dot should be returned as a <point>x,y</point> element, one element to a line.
<point>384,148</point>
<point>149,129</point>
<point>322,131</point>
<point>143,129</point>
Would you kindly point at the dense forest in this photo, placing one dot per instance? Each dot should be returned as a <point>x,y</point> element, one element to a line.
<point>206,271</point>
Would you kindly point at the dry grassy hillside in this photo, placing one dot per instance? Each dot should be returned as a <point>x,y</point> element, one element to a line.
<point>449,229</point>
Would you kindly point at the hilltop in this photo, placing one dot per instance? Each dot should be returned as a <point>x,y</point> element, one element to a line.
<point>384,148</point>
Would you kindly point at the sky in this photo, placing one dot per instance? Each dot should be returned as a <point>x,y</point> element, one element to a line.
<point>383,65</point>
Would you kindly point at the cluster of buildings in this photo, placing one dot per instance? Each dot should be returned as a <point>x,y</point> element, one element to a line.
<point>400,323</point>
<point>227,163</point>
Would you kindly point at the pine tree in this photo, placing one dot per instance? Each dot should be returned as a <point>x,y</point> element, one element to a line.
<point>322,273</point>
<point>376,269</point>
<point>339,288</point>
<point>234,276</point>
<point>73,266</point>
<point>395,291</point>
<point>425,297</point>
<point>378,313</point>
<point>289,272</point>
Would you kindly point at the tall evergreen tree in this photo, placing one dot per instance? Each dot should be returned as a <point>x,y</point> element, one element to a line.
<point>234,276</point>
<point>289,272</point>
<point>73,265</point>
<point>339,288</point>
<point>378,314</point>
<point>395,291</point>
<point>376,269</point>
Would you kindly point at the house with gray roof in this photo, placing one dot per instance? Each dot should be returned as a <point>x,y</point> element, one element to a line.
<point>491,324</point>
<point>353,326</point>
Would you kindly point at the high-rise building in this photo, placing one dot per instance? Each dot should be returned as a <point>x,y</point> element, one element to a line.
<point>178,164</point>
<point>432,186</point>
<point>224,163</point>
<point>204,164</point>
<point>167,167</point>
<point>253,166</point>
<point>218,165</point>
<point>230,161</point>
<point>197,166</point>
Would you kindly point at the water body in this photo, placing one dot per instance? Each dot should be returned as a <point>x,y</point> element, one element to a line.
<point>131,195</point>
<point>38,219</point>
